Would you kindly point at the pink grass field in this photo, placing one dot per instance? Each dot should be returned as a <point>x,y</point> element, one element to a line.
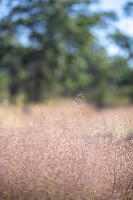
<point>68,151</point>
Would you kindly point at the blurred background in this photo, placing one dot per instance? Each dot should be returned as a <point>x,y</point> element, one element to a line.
<point>53,49</point>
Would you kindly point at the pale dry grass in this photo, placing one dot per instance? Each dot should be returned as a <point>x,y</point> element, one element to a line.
<point>68,151</point>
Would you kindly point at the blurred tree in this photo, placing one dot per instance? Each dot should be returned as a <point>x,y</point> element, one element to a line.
<point>125,42</point>
<point>61,52</point>
<point>128,8</point>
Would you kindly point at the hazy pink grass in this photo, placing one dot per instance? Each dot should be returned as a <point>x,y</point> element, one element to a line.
<point>55,162</point>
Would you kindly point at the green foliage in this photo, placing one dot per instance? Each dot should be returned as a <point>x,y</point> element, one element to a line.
<point>124,75</point>
<point>61,56</point>
<point>125,42</point>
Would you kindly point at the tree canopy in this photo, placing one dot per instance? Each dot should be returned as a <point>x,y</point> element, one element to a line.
<point>61,55</point>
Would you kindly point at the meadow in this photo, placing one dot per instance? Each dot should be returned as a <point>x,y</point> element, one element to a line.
<point>66,151</point>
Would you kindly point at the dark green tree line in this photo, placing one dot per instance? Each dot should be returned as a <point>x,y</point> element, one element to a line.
<point>62,56</point>
<point>125,42</point>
